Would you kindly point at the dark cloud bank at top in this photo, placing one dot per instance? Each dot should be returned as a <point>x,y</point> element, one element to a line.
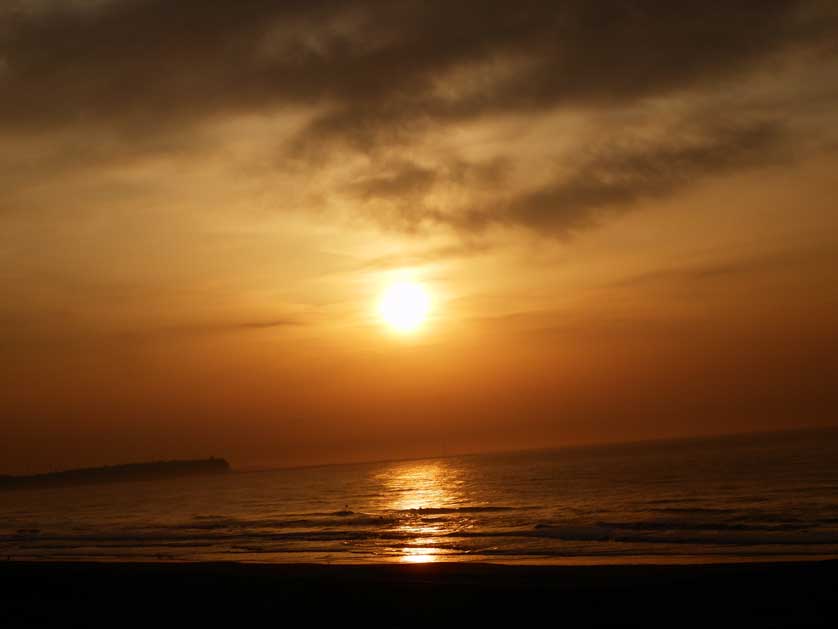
<point>379,75</point>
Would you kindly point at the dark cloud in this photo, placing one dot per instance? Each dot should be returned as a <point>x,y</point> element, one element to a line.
<point>563,54</point>
<point>373,63</point>
<point>379,74</point>
<point>400,193</point>
<point>616,177</point>
<point>612,175</point>
<point>397,179</point>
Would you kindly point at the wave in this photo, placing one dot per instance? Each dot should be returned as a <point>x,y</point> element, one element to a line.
<point>687,525</point>
<point>326,519</point>
<point>410,524</point>
<point>487,509</point>
<point>706,536</point>
<point>269,523</point>
<point>549,543</point>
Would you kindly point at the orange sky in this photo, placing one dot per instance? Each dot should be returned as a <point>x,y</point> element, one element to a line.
<point>624,216</point>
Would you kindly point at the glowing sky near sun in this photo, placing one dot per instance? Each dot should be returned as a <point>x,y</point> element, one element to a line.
<point>313,232</point>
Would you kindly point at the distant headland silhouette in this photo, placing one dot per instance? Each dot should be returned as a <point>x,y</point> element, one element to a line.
<point>157,470</point>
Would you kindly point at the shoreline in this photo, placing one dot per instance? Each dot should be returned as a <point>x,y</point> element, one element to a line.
<point>102,594</point>
<point>405,560</point>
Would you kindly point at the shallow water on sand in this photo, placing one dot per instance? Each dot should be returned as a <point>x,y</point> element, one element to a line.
<point>735,498</point>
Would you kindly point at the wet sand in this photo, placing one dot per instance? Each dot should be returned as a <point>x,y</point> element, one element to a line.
<point>241,595</point>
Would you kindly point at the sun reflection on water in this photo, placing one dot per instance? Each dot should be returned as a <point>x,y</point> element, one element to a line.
<point>416,490</point>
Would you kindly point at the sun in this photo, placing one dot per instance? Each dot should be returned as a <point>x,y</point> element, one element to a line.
<point>404,306</point>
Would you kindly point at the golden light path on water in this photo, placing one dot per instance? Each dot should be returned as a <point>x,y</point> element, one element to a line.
<point>413,489</point>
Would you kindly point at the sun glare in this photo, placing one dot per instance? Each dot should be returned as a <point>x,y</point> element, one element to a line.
<point>404,306</point>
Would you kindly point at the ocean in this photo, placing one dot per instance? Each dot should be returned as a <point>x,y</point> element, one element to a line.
<point>736,498</point>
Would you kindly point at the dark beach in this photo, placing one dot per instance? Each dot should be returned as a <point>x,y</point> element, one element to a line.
<point>108,594</point>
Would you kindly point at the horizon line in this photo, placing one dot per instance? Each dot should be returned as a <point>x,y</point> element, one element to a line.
<point>258,468</point>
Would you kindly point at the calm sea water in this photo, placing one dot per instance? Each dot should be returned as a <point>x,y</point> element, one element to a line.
<point>759,496</point>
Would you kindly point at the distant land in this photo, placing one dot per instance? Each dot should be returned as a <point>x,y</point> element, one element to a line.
<point>157,470</point>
